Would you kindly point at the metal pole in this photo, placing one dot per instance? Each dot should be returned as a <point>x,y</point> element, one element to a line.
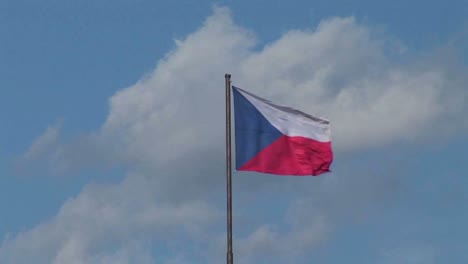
<point>229,256</point>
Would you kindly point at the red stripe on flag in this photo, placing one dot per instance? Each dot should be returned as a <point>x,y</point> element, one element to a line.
<point>297,156</point>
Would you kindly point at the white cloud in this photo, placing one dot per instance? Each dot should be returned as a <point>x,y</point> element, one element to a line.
<point>266,244</point>
<point>45,143</point>
<point>44,152</point>
<point>340,70</point>
<point>169,127</point>
<point>108,216</point>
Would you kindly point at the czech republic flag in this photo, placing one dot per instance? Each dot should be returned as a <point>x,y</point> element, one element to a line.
<point>279,140</point>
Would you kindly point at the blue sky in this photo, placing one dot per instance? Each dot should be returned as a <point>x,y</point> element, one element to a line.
<point>92,92</point>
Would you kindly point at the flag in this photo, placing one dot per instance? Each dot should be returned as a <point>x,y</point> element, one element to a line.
<point>279,140</point>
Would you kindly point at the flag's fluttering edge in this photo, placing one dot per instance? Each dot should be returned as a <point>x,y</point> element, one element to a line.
<point>279,140</point>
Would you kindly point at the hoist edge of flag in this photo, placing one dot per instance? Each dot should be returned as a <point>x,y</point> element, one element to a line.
<point>252,131</point>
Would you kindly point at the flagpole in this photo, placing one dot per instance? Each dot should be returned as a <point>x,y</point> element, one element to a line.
<point>229,257</point>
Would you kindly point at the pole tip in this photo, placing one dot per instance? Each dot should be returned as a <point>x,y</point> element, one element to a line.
<point>227,76</point>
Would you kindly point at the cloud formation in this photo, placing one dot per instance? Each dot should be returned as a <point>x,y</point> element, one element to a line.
<point>168,129</point>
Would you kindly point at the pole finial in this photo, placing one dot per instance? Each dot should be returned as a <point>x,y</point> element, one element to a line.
<point>227,76</point>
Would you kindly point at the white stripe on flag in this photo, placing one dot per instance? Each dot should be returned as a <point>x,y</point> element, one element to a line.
<point>290,122</point>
